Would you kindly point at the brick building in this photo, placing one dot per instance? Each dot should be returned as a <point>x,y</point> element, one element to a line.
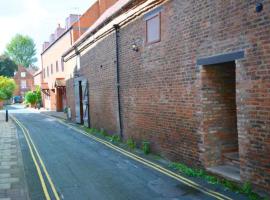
<point>24,79</point>
<point>53,71</point>
<point>38,78</point>
<point>191,77</point>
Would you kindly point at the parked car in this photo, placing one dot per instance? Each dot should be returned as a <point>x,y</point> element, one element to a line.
<point>17,99</point>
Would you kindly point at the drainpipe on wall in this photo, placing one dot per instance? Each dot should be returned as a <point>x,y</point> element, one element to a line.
<point>117,28</point>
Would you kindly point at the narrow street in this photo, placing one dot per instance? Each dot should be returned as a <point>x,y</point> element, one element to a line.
<point>81,168</point>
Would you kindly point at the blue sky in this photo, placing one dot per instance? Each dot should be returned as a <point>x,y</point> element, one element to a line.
<point>36,18</point>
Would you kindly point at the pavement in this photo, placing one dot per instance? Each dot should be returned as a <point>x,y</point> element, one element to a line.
<point>74,166</point>
<point>12,177</point>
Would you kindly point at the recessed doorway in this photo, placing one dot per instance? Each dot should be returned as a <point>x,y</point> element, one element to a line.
<point>220,119</point>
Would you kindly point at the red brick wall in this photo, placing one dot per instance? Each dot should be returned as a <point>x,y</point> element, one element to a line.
<point>105,4</point>
<point>161,86</point>
<point>29,81</point>
<point>219,112</point>
<point>85,21</point>
<point>100,72</point>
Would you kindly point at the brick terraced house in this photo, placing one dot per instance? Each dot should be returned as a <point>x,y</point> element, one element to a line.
<point>24,79</point>
<point>192,77</point>
<point>53,70</point>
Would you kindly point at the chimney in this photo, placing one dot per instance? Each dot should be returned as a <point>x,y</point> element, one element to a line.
<point>59,31</point>
<point>45,45</point>
<point>71,19</point>
<point>52,38</point>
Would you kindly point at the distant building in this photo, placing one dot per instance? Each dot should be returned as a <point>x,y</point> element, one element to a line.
<point>38,78</point>
<point>54,73</point>
<point>24,79</point>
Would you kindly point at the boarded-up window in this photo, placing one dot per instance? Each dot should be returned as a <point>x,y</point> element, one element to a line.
<point>153,29</point>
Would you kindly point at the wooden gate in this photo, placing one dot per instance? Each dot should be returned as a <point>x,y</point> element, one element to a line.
<point>85,102</point>
<point>77,100</point>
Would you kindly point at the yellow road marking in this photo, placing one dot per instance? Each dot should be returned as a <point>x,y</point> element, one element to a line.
<point>152,165</point>
<point>40,160</point>
<point>44,187</point>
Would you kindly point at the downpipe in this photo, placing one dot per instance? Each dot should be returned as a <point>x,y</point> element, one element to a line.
<point>117,35</point>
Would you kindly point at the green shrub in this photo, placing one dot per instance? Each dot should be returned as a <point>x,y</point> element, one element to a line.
<point>115,138</point>
<point>131,144</point>
<point>38,93</point>
<point>103,133</point>
<point>146,147</point>
<point>7,87</point>
<point>31,97</point>
<point>246,188</point>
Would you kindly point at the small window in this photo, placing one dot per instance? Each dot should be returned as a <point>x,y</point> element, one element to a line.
<point>153,29</point>
<point>48,71</point>
<point>23,84</point>
<point>44,73</point>
<point>51,68</point>
<point>56,66</point>
<point>23,74</point>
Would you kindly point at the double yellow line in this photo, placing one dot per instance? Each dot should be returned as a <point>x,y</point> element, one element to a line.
<point>37,159</point>
<point>154,166</point>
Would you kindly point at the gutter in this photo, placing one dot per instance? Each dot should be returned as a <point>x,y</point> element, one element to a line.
<point>117,35</point>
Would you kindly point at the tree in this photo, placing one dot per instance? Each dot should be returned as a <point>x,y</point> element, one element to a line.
<point>38,93</point>
<point>7,66</point>
<point>22,50</point>
<point>7,87</point>
<point>31,97</point>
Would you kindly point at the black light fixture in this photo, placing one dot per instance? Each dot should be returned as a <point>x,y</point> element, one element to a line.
<point>135,46</point>
<point>259,7</point>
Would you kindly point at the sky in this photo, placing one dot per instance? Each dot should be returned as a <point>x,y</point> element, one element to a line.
<point>36,18</point>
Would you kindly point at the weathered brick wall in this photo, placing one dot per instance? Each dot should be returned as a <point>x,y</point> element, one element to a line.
<point>161,86</point>
<point>98,66</point>
<point>157,94</point>
<point>219,112</point>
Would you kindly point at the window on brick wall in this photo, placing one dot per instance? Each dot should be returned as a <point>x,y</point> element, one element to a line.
<point>51,68</point>
<point>48,71</point>
<point>56,66</point>
<point>153,32</point>
<point>23,84</point>
<point>23,74</point>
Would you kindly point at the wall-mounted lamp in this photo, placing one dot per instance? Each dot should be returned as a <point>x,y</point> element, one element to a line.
<point>259,7</point>
<point>135,47</point>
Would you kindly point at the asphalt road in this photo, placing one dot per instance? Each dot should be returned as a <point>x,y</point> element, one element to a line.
<point>84,169</point>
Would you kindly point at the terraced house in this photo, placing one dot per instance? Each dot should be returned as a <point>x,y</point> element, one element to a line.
<point>54,72</point>
<point>190,77</point>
